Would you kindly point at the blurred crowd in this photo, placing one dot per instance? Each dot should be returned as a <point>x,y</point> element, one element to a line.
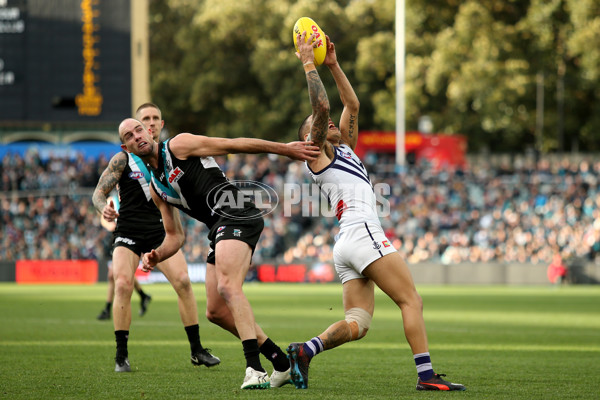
<point>523,210</point>
<point>45,211</point>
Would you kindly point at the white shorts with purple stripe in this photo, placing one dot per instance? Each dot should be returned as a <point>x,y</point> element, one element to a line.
<point>357,246</point>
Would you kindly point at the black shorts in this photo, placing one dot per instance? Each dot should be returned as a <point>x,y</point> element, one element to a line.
<point>247,231</point>
<point>138,242</point>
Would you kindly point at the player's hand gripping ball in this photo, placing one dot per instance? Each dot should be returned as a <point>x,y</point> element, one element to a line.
<point>310,26</point>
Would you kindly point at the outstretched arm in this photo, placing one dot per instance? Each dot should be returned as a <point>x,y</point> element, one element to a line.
<point>316,91</point>
<point>186,145</point>
<point>174,234</point>
<point>108,180</point>
<point>349,119</point>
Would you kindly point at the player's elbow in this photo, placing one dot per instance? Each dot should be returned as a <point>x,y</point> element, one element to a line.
<point>352,106</point>
<point>180,239</point>
<point>176,239</point>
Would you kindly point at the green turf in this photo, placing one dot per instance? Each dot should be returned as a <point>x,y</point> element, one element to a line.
<point>501,342</point>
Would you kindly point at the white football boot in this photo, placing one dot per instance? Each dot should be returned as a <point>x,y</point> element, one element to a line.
<point>278,379</point>
<point>255,379</point>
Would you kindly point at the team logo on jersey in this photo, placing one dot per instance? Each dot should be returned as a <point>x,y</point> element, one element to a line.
<point>386,243</point>
<point>237,232</point>
<point>136,175</point>
<point>376,245</point>
<point>163,196</point>
<point>175,175</point>
<point>219,229</point>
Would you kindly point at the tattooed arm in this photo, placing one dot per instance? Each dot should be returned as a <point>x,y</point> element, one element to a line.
<point>320,109</point>
<point>108,180</point>
<point>318,98</point>
<point>349,119</point>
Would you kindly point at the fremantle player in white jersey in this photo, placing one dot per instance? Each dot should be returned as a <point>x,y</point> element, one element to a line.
<point>363,256</point>
<point>139,229</point>
<point>186,177</point>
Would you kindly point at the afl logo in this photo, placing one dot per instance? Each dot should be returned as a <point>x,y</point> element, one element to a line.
<point>222,199</point>
<point>136,175</point>
<point>163,196</point>
<point>346,155</point>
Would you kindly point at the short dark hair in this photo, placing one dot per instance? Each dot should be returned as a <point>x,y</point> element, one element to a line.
<point>301,129</point>
<point>147,105</point>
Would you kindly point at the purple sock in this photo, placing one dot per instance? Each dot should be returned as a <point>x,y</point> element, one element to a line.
<point>424,367</point>
<point>313,347</point>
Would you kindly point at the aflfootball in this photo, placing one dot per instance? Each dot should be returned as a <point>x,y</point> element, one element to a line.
<point>310,26</point>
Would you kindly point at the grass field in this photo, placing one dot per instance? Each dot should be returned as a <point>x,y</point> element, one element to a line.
<point>501,342</point>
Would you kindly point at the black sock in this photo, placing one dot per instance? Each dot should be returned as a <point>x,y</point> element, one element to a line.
<point>141,292</point>
<point>252,354</point>
<point>274,354</point>
<point>121,338</point>
<point>108,306</point>
<point>193,334</point>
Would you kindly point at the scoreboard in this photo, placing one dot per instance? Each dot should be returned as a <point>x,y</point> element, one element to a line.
<point>64,61</point>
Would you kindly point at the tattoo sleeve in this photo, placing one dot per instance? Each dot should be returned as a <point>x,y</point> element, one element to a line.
<point>320,105</point>
<point>108,180</point>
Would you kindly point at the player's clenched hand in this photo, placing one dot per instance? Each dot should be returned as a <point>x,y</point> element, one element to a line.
<point>149,260</point>
<point>108,212</point>
<point>303,151</point>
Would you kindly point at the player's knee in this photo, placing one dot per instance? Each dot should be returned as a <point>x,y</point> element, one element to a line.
<point>214,316</point>
<point>417,300</point>
<point>123,280</point>
<point>123,285</point>
<point>410,300</point>
<point>359,321</point>
<point>228,289</point>
<point>219,316</point>
<point>182,282</point>
<point>224,290</point>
